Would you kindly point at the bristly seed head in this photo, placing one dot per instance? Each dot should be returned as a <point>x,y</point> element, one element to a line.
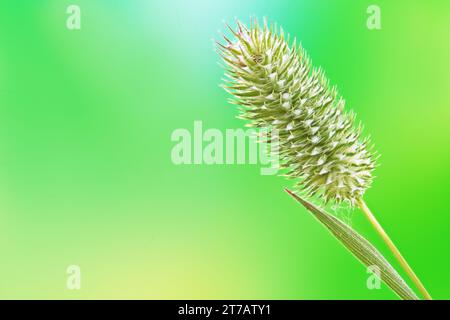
<point>274,82</point>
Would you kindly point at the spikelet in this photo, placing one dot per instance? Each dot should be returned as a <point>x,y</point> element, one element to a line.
<point>274,83</point>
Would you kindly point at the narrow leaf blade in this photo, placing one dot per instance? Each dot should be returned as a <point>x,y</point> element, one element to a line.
<point>362,249</point>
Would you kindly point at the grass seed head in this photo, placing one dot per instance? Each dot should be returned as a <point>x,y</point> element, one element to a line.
<point>272,79</point>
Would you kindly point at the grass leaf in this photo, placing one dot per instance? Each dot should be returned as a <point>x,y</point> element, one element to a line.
<point>361,249</point>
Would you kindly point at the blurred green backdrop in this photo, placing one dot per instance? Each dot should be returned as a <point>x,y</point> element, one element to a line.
<point>86,176</point>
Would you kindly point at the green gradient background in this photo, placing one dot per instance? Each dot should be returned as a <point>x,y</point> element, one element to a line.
<point>86,176</point>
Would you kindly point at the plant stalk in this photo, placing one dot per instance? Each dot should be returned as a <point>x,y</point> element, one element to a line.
<point>393,249</point>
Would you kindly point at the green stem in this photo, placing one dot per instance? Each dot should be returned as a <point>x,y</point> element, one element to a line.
<point>394,249</point>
